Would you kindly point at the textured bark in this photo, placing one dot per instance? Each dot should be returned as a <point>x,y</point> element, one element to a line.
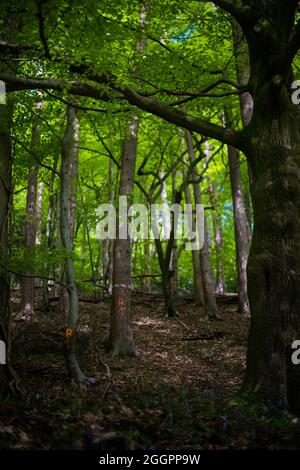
<point>73,174</point>
<point>120,340</point>
<point>175,253</point>
<point>197,276</point>
<point>165,257</point>
<point>49,241</point>
<point>242,71</point>
<point>218,238</point>
<point>272,146</point>
<point>208,285</point>
<point>27,284</point>
<point>241,223</point>
<point>108,245</point>
<point>66,238</point>
<point>5,200</point>
<point>218,233</point>
<point>38,214</point>
<point>241,229</point>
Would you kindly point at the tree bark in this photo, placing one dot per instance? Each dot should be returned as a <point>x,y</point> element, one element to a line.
<point>241,229</point>
<point>38,215</point>
<point>272,147</point>
<point>218,233</point>
<point>49,231</point>
<point>108,245</point>
<point>73,173</point>
<point>241,223</point>
<point>197,276</point>
<point>208,287</point>
<point>66,238</point>
<point>27,284</point>
<point>5,201</point>
<point>120,341</point>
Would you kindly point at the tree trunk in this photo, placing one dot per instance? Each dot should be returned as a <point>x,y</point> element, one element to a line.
<point>218,237</point>
<point>197,277</point>
<point>241,229</point>
<point>120,340</point>
<point>241,223</point>
<point>66,238</point>
<point>38,214</point>
<point>208,287</point>
<point>49,231</point>
<point>73,173</point>
<point>147,268</point>
<point>218,233</point>
<point>272,147</point>
<point>27,284</point>
<point>108,245</point>
<point>5,201</point>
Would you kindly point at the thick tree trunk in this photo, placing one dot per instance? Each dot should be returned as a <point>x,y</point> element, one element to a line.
<point>241,229</point>
<point>274,261</point>
<point>208,287</point>
<point>120,340</point>
<point>66,238</point>
<point>5,200</point>
<point>272,146</point>
<point>27,283</point>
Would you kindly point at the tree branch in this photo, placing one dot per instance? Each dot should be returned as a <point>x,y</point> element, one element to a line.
<point>73,86</point>
<point>181,119</point>
<point>32,276</point>
<point>158,108</point>
<point>43,38</point>
<point>238,11</point>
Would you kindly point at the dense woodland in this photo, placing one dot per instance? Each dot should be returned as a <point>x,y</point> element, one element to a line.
<point>143,343</point>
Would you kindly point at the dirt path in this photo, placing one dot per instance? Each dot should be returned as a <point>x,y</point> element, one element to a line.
<point>174,395</point>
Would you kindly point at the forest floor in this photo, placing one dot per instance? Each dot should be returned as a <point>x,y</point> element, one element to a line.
<point>178,394</point>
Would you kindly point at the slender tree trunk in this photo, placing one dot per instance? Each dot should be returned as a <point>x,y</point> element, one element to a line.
<point>241,229</point>
<point>27,284</point>
<point>164,259</point>
<point>208,287</point>
<point>49,231</point>
<point>120,340</point>
<point>241,224</point>
<point>174,255</point>
<point>197,277</point>
<point>218,233</point>
<point>38,214</point>
<point>72,194</point>
<point>218,237</point>
<point>66,238</point>
<point>73,173</point>
<point>108,245</point>
<point>147,268</point>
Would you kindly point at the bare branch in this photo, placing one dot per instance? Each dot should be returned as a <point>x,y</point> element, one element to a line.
<point>32,276</point>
